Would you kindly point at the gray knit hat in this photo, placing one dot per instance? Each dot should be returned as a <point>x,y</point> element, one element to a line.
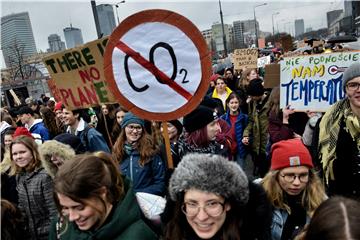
<point>350,73</point>
<point>209,173</point>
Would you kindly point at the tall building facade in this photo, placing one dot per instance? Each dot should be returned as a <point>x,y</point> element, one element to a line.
<point>217,36</point>
<point>17,38</point>
<point>106,18</point>
<point>332,16</point>
<point>299,27</point>
<point>55,43</point>
<point>238,31</point>
<point>73,36</point>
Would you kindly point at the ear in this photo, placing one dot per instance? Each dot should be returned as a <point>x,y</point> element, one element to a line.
<point>103,192</point>
<point>76,115</point>
<point>227,207</point>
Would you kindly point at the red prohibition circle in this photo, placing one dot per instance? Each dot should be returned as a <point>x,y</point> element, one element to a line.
<point>191,32</point>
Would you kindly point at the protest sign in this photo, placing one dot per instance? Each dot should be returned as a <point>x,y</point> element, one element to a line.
<point>158,65</point>
<point>314,82</point>
<point>261,62</point>
<point>77,76</point>
<point>286,42</point>
<point>246,57</point>
<point>272,75</point>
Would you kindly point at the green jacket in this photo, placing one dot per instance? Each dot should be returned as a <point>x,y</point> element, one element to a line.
<point>257,128</point>
<point>125,224</point>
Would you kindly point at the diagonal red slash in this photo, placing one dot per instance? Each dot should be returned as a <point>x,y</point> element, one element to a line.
<point>154,70</point>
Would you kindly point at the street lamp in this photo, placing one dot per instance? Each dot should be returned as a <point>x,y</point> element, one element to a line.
<point>256,36</point>
<point>117,14</point>
<point>272,17</point>
<point>223,31</point>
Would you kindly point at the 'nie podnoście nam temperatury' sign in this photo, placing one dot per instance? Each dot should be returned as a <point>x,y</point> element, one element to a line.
<point>157,65</point>
<point>314,82</point>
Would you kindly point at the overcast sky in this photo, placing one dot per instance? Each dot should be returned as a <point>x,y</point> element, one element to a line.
<point>48,17</point>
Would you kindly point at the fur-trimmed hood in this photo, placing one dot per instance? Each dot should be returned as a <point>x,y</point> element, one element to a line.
<point>48,148</point>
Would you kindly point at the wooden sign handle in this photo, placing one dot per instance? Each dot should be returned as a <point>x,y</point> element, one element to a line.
<point>165,133</point>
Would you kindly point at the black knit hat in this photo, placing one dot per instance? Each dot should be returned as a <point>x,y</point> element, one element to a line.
<point>199,118</point>
<point>178,125</point>
<point>256,87</point>
<point>73,141</point>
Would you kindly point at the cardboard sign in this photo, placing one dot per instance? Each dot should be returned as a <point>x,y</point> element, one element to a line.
<point>261,62</point>
<point>287,43</point>
<point>158,65</point>
<point>78,77</point>
<point>272,75</point>
<point>246,57</point>
<point>314,82</point>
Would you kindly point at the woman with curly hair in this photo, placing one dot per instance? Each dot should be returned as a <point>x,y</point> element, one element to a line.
<point>293,188</point>
<point>139,157</point>
<point>49,119</point>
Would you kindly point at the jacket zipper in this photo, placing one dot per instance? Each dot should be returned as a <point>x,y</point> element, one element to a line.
<point>131,168</point>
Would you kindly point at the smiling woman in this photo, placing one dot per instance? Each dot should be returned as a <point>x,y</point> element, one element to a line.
<point>96,202</point>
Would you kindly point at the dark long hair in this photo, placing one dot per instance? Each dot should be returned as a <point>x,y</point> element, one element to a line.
<point>49,119</point>
<point>178,228</point>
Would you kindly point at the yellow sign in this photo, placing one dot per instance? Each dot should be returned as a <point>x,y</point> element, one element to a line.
<point>78,77</point>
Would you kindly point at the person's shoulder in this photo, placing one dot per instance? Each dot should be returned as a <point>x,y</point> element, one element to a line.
<point>138,230</point>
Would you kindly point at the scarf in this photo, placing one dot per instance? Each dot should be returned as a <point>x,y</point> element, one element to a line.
<point>329,132</point>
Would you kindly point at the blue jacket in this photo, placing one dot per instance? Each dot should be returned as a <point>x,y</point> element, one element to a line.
<point>149,178</point>
<point>39,128</point>
<point>278,223</point>
<point>240,125</point>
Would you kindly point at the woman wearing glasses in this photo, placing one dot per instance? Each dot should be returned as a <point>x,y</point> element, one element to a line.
<point>293,188</point>
<point>211,198</point>
<point>139,157</point>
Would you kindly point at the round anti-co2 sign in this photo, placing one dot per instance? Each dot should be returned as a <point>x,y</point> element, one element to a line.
<point>157,65</point>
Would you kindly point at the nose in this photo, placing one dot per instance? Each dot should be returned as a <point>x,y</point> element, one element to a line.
<point>73,215</point>
<point>296,181</point>
<point>202,215</point>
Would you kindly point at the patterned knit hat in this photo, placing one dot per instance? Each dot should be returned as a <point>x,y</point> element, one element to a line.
<point>131,118</point>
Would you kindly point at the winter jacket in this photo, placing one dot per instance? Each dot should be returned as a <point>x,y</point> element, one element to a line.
<point>149,178</point>
<point>240,124</point>
<point>53,147</point>
<point>91,139</point>
<point>38,127</point>
<point>216,95</point>
<point>123,223</point>
<point>35,190</point>
<point>257,128</point>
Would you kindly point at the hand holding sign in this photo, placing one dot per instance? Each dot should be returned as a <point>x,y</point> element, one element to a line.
<point>157,65</point>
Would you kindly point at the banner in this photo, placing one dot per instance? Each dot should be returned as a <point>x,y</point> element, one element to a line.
<point>78,78</point>
<point>261,62</point>
<point>314,82</point>
<point>246,57</point>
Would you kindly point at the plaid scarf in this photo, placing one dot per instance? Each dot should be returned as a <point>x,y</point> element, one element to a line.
<point>329,132</point>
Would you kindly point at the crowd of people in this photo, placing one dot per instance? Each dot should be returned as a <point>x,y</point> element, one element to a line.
<point>243,168</point>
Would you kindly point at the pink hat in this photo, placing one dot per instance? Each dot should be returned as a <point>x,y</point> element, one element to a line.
<point>58,106</point>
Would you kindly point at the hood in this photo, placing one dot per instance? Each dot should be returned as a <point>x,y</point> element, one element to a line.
<point>36,121</point>
<point>48,148</point>
<point>4,125</point>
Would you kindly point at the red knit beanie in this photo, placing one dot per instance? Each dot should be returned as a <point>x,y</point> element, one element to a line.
<point>22,131</point>
<point>58,106</point>
<point>290,153</point>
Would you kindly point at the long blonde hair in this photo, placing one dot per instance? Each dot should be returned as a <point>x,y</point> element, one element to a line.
<point>312,196</point>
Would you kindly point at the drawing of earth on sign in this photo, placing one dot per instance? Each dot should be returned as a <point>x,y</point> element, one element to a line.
<point>157,64</point>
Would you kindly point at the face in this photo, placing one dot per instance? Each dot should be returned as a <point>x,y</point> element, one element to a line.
<point>172,131</point>
<point>295,187</point>
<point>59,115</point>
<point>84,216</point>
<point>233,105</point>
<point>69,117</point>
<point>220,85</point>
<point>24,118</point>
<point>120,116</point>
<point>7,140</point>
<point>205,226</point>
<point>104,109</point>
<point>253,74</point>
<point>354,95</point>
<point>133,132</point>
<point>21,155</point>
<point>213,129</point>
<point>228,75</point>
<point>58,161</point>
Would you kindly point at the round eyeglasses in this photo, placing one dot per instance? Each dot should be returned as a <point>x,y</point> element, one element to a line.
<point>353,86</point>
<point>213,209</point>
<point>304,177</point>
